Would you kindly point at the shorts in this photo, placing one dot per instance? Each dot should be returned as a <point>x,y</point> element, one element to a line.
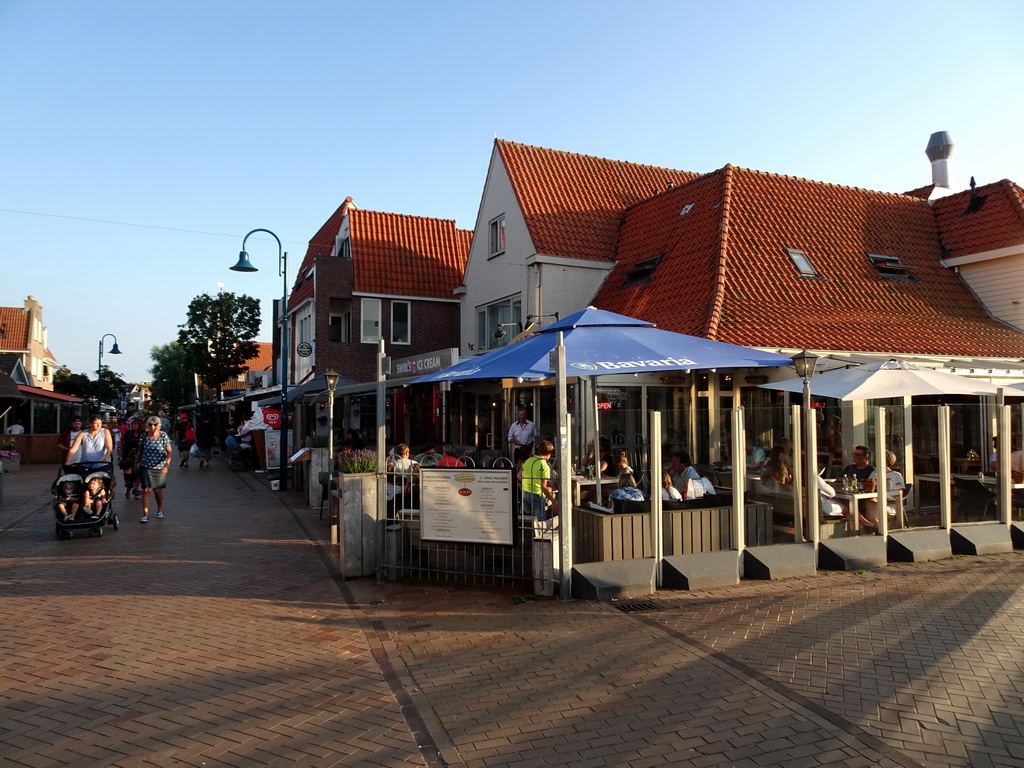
<point>535,504</point>
<point>152,478</point>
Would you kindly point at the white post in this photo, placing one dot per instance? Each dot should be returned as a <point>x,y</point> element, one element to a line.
<point>564,448</point>
<point>881,476</point>
<point>739,482</point>
<point>945,462</point>
<point>657,532</point>
<point>798,474</point>
<point>1003,472</point>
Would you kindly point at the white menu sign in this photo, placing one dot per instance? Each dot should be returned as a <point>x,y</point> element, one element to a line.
<point>464,504</point>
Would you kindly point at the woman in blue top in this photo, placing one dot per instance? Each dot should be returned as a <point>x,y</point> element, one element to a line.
<point>627,489</point>
<point>154,458</point>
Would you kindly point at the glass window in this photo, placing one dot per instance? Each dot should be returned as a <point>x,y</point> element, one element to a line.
<point>401,326</point>
<point>802,263</point>
<point>498,323</point>
<point>340,328</point>
<point>497,240</point>
<point>370,324</point>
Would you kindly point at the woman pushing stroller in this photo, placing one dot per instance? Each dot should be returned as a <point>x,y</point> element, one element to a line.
<point>96,443</point>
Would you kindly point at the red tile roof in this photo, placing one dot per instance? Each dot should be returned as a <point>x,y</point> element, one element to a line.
<point>573,203</point>
<point>263,361</point>
<point>407,255</point>
<point>16,321</point>
<point>992,217</point>
<point>392,253</point>
<point>726,275</point>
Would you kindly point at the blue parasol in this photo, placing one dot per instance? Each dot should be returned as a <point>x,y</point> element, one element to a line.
<point>599,342</point>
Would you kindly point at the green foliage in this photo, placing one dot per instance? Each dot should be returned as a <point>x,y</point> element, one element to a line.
<point>217,336</point>
<point>172,381</point>
<point>80,385</point>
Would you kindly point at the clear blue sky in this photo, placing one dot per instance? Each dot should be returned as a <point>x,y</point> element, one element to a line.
<point>142,140</point>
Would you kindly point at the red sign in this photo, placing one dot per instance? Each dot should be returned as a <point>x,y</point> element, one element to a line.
<point>272,417</point>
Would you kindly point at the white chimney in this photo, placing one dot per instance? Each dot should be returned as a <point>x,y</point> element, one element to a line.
<point>939,150</point>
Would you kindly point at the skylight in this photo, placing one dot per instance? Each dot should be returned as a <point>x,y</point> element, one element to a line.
<point>802,262</point>
<point>891,267</point>
<point>642,271</point>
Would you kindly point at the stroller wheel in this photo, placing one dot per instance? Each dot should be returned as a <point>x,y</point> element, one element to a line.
<point>99,530</point>
<point>115,522</point>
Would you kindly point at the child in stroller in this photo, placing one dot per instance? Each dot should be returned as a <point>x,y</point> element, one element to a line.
<point>83,499</point>
<point>69,494</point>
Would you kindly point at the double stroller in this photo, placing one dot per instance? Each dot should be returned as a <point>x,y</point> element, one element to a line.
<point>83,499</point>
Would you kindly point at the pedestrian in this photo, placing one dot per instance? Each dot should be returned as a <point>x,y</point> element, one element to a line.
<point>538,490</point>
<point>206,436</point>
<point>165,423</point>
<point>155,452</point>
<point>521,436</point>
<point>129,459</point>
<point>67,437</point>
<point>186,436</point>
<point>92,448</point>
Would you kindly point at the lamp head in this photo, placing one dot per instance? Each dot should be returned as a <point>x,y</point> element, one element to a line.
<point>332,380</point>
<point>243,265</point>
<point>499,332</point>
<point>114,350</point>
<point>804,364</point>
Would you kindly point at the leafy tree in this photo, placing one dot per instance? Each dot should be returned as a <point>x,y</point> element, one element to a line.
<point>80,385</point>
<point>217,338</point>
<point>171,376</point>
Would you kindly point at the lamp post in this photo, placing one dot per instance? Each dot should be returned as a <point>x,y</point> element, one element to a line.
<point>99,368</point>
<point>804,362</point>
<point>331,378</point>
<point>244,265</point>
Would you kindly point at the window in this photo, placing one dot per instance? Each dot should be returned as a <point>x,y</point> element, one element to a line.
<point>401,327</point>
<point>642,271</point>
<point>370,325</point>
<point>341,327</point>
<point>891,268</point>
<point>506,315</point>
<point>497,241</point>
<point>802,263</point>
<point>344,248</point>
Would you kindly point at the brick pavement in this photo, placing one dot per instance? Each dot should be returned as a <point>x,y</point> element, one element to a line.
<point>219,636</point>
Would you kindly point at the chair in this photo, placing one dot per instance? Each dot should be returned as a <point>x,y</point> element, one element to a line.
<point>503,462</point>
<point>467,460</point>
<point>972,498</point>
<point>325,489</point>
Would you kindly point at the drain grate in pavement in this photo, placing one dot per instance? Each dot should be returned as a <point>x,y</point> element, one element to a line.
<point>639,607</point>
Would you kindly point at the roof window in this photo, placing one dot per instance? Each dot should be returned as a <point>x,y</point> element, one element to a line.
<point>642,271</point>
<point>890,267</point>
<point>802,263</point>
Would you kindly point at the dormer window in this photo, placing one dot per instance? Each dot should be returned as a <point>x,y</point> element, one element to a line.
<point>891,268</point>
<point>642,271</point>
<point>802,263</point>
<point>343,248</point>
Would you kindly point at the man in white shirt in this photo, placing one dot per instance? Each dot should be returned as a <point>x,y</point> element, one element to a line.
<point>16,429</point>
<point>521,436</point>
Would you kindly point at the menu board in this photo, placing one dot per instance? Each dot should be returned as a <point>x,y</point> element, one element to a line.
<point>464,504</point>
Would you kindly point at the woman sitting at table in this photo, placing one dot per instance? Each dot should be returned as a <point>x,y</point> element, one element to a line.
<point>626,489</point>
<point>668,491</point>
<point>776,472</point>
<point>894,487</point>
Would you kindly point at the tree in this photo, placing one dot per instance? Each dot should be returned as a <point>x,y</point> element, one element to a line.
<point>217,338</point>
<point>80,385</point>
<point>171,381</point>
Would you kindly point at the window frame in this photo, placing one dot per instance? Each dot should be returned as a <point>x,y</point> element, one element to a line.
<point>408,322</point>
<point>497,231</point>
<point>344,326</point>
<point>508,310</point>
<point>796,255</point>
<point>364,305</point>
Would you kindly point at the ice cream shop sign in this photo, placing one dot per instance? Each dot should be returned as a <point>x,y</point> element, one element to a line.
<point>420,365</point>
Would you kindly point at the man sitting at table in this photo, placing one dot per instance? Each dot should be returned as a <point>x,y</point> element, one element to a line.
<point>860,471</point>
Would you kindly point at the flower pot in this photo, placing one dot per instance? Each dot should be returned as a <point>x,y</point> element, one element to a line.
<point>11,465</point>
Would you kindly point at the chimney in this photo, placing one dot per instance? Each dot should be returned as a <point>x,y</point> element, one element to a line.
<point>940,149</point>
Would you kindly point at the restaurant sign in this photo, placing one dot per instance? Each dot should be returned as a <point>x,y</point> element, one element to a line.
<point>421,365</point>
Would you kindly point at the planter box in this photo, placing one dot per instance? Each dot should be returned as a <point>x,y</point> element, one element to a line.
<point>318,462</point>
<point>602,536</point>
<point>11,465</point>
<point>355,504</point>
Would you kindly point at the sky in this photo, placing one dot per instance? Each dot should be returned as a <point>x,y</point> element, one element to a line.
<point>142,141</point>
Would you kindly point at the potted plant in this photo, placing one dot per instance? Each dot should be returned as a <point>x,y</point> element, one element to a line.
<point>357,516</point>
<point>10,457</point>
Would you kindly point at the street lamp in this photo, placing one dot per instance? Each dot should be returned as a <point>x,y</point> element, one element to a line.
<point>99,368</point>
<point>244,265</point>
<point>331,378</point>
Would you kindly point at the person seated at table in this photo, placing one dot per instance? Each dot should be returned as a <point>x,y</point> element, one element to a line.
<point>403,471</point>
<point>777,471</point>
<point>622,463</point>
<point>830,508</point>
<point>685,478</point>
<point>428,458</point>
<point>859,470</point>
<point>894,487</point>
<point>449,459</point>
<point>626,489</point>
<point>668,491</point>
<point>993,458</point>
<point>755,456</point>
